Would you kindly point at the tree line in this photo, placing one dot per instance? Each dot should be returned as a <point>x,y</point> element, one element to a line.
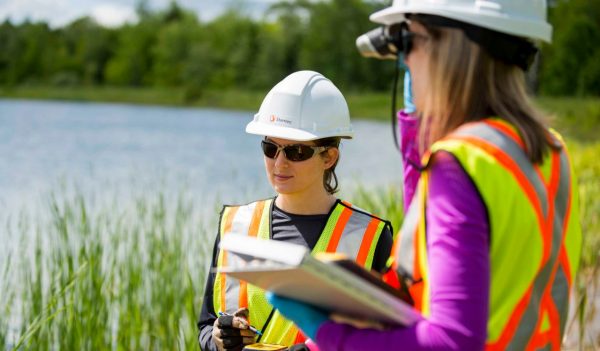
<point>173,48</point>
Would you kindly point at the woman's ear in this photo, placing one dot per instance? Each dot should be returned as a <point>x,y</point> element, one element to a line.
<point>330,157</point>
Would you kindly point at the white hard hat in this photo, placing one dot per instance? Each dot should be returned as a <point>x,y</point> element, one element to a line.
<point>303,106</point>
<point>523,18</point>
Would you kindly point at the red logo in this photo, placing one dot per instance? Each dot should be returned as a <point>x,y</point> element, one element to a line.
<point>273,118</point>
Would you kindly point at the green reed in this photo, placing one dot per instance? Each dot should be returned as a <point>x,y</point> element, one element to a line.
<point>107,278</point>
<point>587,169</point>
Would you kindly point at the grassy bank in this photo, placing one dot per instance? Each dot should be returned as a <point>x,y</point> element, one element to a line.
<point>363,105</point>
<point>579,115</point>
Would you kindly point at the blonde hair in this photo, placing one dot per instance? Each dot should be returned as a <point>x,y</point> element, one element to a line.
<point>467,84</point>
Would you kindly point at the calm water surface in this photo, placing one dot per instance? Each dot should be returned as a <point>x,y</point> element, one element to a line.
<point>47,146</point>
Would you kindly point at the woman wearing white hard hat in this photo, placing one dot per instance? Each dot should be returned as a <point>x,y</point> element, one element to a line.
<point>491,243</point>
<point>302,120</point>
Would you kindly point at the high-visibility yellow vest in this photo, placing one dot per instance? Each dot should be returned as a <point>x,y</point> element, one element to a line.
<point>348,230</point>
<point>535,234</point>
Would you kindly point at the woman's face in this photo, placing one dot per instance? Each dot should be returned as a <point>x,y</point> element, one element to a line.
<point>288,177</point>
<point>417,62</point>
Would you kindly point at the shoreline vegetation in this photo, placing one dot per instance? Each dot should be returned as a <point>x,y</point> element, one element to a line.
<point>363,105</point>
<point>577,117</point>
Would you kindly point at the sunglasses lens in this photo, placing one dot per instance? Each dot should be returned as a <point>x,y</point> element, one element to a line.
<point>293,153</point>
<point>298,152</point>
<point>269,149</point>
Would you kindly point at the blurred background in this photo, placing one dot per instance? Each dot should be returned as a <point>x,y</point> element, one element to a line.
<point>122,135</point>
<point>203,46</point>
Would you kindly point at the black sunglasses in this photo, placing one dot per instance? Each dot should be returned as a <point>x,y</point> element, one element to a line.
<point>404,39</point>
<point>408,39</point>
<point>294,153</point>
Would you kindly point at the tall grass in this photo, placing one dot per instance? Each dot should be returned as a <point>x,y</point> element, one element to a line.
<point>587,169</point>
<point>385,202</point>
<point>108,278</point>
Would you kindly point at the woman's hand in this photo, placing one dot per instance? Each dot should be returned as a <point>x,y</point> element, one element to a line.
<point>231,333</point>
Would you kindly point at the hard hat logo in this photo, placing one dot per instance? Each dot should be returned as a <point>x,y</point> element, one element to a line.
<point>313,107</point>
<point>283,121</point>
<point>275,119</point>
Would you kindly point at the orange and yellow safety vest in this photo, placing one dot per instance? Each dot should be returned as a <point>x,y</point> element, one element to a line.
<point>535,234</point>
<point>348,230</point>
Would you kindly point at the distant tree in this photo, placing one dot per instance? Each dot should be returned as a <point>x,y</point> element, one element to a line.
<point>329,44</point>
<point>85,51</point>
<point>8,46</point>
<point>571,65</point>
<point>132,62</point>
<point>33,53</point>
<point>292,24</point>
<point>172,48</point>
<point>174,40</point>
<point>142,9</point>
<point>232,42</point>
<point>174,13</point>
<point>269,59</point>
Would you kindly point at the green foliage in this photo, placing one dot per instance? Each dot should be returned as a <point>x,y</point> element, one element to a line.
<point>85,48</point>
<point>171,48</point>
<point>587,168</point>
<point>104,277</point>
<point>384,202</point>
<point>171,51</point>
<point>571,65</point>
<point>584,157</point>
<point>132,62</point>
<point>577,118</point>
<point>25,52</point>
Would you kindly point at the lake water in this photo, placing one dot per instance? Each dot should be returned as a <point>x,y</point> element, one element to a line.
<point>46,146</point>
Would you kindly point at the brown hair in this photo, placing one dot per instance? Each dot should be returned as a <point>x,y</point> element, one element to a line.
<point>330,181</point>
<point>467,84</point>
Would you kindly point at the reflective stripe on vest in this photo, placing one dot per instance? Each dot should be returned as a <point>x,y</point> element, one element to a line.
<point>533,218</point>
<point>348,230</point>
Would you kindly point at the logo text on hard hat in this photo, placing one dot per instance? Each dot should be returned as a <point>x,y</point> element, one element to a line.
<point>274,119</point>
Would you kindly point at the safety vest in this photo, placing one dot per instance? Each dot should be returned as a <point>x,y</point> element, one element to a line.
<point>348,230</point>
<point>535,235</point>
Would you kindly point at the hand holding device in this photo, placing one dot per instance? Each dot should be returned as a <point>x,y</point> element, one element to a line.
<point>231,331</point>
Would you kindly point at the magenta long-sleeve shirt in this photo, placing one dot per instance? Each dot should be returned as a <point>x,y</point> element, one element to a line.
<point>459,264</point>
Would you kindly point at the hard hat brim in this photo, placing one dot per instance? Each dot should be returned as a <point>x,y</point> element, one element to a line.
<point>522,27</point>
<point>291,133</point>
<point>387,16</point>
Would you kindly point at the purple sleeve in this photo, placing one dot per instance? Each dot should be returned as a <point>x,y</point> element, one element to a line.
<point>409,127</point>
<point>458,253</point>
